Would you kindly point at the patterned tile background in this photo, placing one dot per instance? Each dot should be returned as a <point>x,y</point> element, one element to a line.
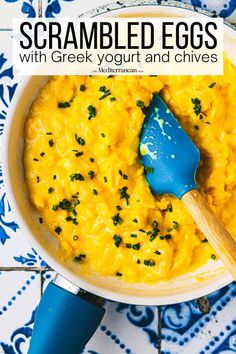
<point>205,326</point>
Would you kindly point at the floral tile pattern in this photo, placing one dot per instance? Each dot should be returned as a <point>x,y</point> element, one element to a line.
<point>71,8</point>
<point>16,8</point>
<point>207,326</point>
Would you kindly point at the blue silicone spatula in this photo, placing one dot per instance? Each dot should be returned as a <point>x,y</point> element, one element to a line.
<point>171,160</point>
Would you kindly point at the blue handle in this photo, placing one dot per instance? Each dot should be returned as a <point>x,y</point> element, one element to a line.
<point>64,322</point>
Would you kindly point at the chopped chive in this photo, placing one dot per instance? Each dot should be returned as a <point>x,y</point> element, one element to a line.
<point>91,174</point>
<point>167,236</point>
<point>35,159</point>
<point>95,192</point>
<point>102,135</point>
<point>76,177</point>
<point>118,274</point>
<point>117,240</point>
<point>133,235</point>
<point>105,179</point>
<point>149,262</point>
<point>148,232</point>
<point>158,253</point>
<point>48,133</point>
<point>141,230</point>
<point>123,194</point>
<point>82,88</point>
<point>136,246</point>
<point>117,220</point>
<point>128,245</point>
<point>153,235</point>
<point>112,99</point>
<point>42,154</point>
<point>76,202</point>
<point>118,207</point>
<point>79,140</point>
<point>212,85</point>
<point>50,142</point>
<point>92,112</point>
<point>41,220</point>
<point>80,257</point>
<point>63,105</point>
<point>196,127</point>
<point>50,190</point>
<point>54,177</point>
<point>138,261</point>
<point>140,104</point>
<point>135,220</point>
<point>213,256</point>
<point>37,179</point>
<point>106,92</point>
<point>58,230</point>
<point>205,240</point>
<point>79,153</point>
<point>91,159</point>
<point>155,224</point>
<point>175,225</point>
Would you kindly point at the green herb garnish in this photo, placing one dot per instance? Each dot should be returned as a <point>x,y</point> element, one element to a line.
<point>82,88</point>
<point>117,220</point>
<point>79,153</point>
<point>80,258</point>
<point>79,140</point>
<point>175,225</point>
<point>76,177</point>
<point>149,262</point>
<point>124,194</point>
<point>118,274</point>
<point>63,105</point>
<point>92,112</point>
<point>140,104</point>
<point>50,190</point>
<point>213,256</point>
<point>136,246</point>
<point>91,174</point>
<point>212,85</point>
<point>106,92</point>
<point>117,240</point>
<point>50,142</point>
<point>158,253</point>
<point>58,230</point>
<point>95,192</point>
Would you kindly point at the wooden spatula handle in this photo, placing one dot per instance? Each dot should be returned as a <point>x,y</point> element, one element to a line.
<point>212,228</point>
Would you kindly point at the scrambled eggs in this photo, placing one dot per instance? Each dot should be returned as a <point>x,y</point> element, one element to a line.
<point>85,179</point>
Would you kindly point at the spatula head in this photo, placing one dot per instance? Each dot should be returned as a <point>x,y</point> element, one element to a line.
<point>169,156</point>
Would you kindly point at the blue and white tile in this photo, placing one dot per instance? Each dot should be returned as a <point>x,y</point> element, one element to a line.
<point>72,8</point>
<point>69,8</point>
<point>186,329</point>
<point>126,329</point>
<point>14,249</point>
<point>16,8</point>
<point>19,296</point>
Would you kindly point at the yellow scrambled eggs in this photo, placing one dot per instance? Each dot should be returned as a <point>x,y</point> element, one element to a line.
<point>85,179</point>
